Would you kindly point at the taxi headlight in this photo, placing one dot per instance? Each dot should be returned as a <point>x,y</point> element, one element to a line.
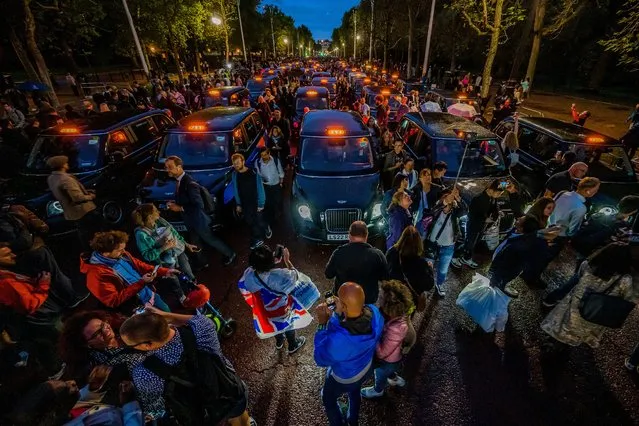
<point>608,211</point>
<point>304,211</point>
<point>54,209</point>
<point>377,211</point>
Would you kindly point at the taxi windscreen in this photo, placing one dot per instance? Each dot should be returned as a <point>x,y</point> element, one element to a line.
<point>197,149</point>
<point>311,103</point>
<point>608,163</point>
<point>83,151</point>
<point>483,157</point>
<point>339,155</point>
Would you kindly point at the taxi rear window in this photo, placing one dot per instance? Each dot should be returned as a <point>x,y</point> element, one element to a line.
<point>197,149</point>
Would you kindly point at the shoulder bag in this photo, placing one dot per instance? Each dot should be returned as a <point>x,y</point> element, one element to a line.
<point>601,308</point>
<point>431,248</point>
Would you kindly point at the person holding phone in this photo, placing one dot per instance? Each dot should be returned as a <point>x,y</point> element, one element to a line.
<point>483,208</point>
<point>119,280</point>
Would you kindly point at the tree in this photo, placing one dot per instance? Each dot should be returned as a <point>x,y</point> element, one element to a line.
<point>489,18</point>
<point>625,41</point>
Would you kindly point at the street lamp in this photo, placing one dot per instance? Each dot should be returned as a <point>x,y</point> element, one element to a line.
<point>344,46</point>
<point>286,44</point>
<point>356,40</point>
<point>215,20</point>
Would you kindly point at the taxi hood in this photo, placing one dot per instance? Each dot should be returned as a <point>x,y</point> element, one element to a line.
<point>336,192</point>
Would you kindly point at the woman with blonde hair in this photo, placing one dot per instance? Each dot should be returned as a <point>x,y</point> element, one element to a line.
<point>278,145</point>
<point>158,241</point>
<point>510,146</point>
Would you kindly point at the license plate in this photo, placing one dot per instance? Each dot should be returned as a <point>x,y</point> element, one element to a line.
<point>337,237</point>
<point>180,228</point>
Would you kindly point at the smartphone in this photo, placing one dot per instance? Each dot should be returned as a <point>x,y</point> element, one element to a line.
<point>155,270</point>
<point>503,184</point>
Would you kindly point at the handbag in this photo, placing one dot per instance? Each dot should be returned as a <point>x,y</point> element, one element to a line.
<point>601,308</point>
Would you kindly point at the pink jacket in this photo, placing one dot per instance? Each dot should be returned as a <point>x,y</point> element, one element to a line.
<point>389,348</point>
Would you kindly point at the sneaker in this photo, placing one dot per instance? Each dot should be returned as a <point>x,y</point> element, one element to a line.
<point>300,342</point>
<point>511,292</point>
<point>456,263</point>
<point>257,244</point>
<point>440,291</point>
<point>268,233</point>
<point>370,392</point>
<point>279,345</point>
<point>548,304</point>
<point>629,366</point>
<point>396,381</point>
<point>197,297</point>
<point>470,263</point>
<point>229,260</point>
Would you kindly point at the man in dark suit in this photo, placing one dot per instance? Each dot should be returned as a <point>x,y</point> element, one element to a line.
<point>188,200</point>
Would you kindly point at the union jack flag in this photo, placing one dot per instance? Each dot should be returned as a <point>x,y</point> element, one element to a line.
<point>273,313</point>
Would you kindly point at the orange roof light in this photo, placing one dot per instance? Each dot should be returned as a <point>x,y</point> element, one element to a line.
<point>271,72</point>
<point>595,139</point>
<point>462,97</point>
<point>69,130</point>
<point>119,137</point>
<point>335,132</point>
<point>258,78</point>
<point>312,92</point>
<point>384,71</point>
<point>367,80</point>
<point>214,92</point>
<point>324,81</point>
<point>196,127</point>
<point>395,76</point>
<point>385,92</point>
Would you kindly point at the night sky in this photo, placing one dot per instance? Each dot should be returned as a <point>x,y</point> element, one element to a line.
<point>321,16</point>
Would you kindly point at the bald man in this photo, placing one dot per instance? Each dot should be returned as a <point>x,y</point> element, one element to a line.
<point>567,180</point>
<point>345,342</point>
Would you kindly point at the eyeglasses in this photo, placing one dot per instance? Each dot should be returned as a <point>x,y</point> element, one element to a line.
<point>99,331</point>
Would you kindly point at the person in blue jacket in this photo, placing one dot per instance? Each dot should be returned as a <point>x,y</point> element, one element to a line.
<point>248,191</point>
<point>345,342</point>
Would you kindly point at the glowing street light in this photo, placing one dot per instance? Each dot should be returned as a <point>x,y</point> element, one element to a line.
<point>152,49</point>
<point>216,20</point>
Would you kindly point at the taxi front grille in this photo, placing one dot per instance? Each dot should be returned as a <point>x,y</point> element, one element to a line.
<point>339,220</point>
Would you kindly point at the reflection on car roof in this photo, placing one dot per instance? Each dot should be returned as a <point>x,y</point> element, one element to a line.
<point>566,131</point>
<point>216,118</point>
<point>378,89</point>
<point>316,123</point>
<point>103,122</point>
<point>443,125</point>
<point>227,90</point>
<point>321,90</point>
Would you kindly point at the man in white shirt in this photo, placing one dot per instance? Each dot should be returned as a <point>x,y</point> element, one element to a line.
<point>364,109</point>
<point>272,173</point>
<point>429,105</point>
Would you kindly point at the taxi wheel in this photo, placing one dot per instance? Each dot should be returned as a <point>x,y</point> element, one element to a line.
<point>113,212</point>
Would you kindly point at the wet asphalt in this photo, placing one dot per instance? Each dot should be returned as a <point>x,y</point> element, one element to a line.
<point>456,374</point>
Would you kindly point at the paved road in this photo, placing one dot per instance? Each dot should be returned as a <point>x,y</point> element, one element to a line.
<point>456,375</point>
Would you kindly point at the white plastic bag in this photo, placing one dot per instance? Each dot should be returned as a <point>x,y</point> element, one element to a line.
<point>486,305</point>
<point>491,235</point>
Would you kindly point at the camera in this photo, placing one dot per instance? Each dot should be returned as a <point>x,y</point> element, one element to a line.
<point>278,253</point>
<point>329,298</point>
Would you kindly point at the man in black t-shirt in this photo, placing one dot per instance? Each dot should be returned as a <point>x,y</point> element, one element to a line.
<point>249,198</point>
<point>565,181</point>
<point>358,262</point>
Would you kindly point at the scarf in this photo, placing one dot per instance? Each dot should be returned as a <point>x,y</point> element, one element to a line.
<point>124,269</point>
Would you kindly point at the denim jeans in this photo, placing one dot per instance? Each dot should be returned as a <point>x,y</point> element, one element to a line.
<point>290,337</point>
<point>383,372</point>
<point>443,260</point>
<point>332,390</point>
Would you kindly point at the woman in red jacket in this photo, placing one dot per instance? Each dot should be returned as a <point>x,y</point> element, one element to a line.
<point>119,280</point>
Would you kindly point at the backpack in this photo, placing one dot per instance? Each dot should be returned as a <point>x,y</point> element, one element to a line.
<point>200,388</point>
<point>207,198</point>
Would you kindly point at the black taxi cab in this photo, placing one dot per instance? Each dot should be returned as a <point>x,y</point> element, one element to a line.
<point>447,98</point>
<point>336,180</point>
<point>542,140</point>
<point>225,96</point>
<point>329,82</point>
<point>205,142</point>
<point>257,85</point>
<point>472,153</point>
<point>108,153</point>
<point>310,97</point>
<point>392,94</point>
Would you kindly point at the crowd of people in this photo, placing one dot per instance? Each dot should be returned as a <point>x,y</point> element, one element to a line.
<point>126,338</point>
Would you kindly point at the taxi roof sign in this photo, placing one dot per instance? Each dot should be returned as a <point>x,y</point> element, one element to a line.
<point>69,130</point>
<point>196,127</point>
<point>335,131</point>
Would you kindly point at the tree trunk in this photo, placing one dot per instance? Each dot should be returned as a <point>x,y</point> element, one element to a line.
<point>23,56</point>
<point>68,53</point>
<point>176,56</point>
<point>538,28</point>
<point>385,56</point>
<point>523,41</point>
<point>226,32</point>
<point>34,50</point>
<point>453,58</point>
<point>410,42</point>
<point>492,50</point>
<point>599,71</point>
<point>198,64</point>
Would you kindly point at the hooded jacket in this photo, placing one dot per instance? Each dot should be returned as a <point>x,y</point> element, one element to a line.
<point>108,287</point>
<point>347,347</point>
<point>398,219</point>
<point>389,348</point>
